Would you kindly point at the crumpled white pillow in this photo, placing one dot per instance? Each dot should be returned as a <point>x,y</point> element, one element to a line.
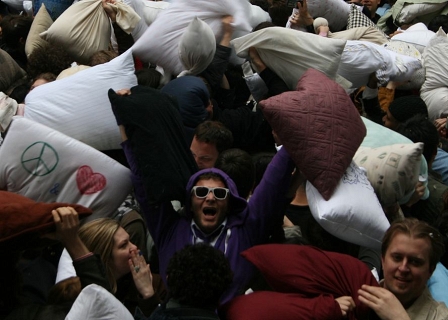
<point>160,42</point>
<point>78,105</point>
<point>360,58</point>
<point>196,58</point>
<point>290,53</point>
<point>335,11</point>
<point>410,11</point>
<point>96,303</point>
<point>353,213</point>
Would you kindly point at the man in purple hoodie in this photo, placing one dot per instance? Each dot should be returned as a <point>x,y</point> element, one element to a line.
<point>213,212</point>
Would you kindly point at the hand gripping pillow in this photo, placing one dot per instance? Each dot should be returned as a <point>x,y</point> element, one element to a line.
<point>311,272</point>
<point>22,219</point>
<point>96,303</point>
<point>42,21</point>
<point>46,165</point>
<point>353,213</point>
<point>84,28</point>
<point>290,53</point>
<point>319,126</point>
<point>435,88</point>
<point>160,42</point>
<point>78,105</point>
<point>392,170</point>
<point>196,58</point>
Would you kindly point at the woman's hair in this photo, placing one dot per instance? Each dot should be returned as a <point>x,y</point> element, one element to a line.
<point>48,58</point>
<point>98,236</point>
<point>47,76</point>
<point>416,229</point>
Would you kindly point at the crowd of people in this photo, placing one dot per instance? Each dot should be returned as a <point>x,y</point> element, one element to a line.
<point>212,180</point>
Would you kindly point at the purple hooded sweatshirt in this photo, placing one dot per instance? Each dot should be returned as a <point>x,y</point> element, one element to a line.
<point>248,223</point>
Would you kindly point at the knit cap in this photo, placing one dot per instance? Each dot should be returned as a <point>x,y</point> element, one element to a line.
<point>404,108</point>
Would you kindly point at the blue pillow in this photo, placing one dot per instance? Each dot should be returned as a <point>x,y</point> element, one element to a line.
<point>438,283</point>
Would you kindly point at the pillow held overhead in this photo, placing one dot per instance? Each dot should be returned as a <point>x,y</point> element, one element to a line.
<point>21,216</point>
<point>42,21</point>
<point>319,126</point>
<point>196,58</point>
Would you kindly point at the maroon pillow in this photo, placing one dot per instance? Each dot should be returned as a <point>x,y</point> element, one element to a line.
<point>21,216</point>
<point>268,305</point>
<point>311,272</point>
<point>319,126</point>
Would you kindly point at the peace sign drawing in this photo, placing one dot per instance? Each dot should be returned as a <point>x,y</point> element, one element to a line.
<point>39,159</point>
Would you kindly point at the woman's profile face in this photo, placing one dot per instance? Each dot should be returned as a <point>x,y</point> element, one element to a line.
<point>121,253</point>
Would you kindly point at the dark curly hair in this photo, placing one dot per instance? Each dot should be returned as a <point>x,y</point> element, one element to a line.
<point>46,59</point>
<point>198,275</point>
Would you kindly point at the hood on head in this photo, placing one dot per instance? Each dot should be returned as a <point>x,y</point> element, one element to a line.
<point>236,203</point>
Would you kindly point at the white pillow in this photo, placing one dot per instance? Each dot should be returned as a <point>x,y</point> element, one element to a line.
<point>47,166</point>
<point>435,88</point>
<point>392,170</point>
<point>141,25</point>
<point>96,303</point>
<point>353,213</point>
<point>160,42</point>
<point>196,58</point>
<point>417,34</point>
<point>418,77</point>
<point>152,8</point>
<point>290,53</point>
<point>79,107</point>
<point>360,58</point>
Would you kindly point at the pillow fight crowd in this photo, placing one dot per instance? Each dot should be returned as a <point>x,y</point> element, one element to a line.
<point>222,216</point>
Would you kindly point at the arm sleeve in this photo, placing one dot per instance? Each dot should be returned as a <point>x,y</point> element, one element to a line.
<point>91,271</point>
<point>269,198</point>
<point>274,83</point>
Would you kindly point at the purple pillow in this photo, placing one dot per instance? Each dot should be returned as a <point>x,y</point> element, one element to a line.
<point>319,126</point>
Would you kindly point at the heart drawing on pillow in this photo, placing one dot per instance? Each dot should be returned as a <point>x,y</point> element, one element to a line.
<point>89,182</point>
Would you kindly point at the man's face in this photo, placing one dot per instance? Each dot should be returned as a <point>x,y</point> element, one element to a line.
<point>372,5</point>
<point>205,154</point>
<point>209,212</point>
<point>406,267</point>
<point>389,121</point>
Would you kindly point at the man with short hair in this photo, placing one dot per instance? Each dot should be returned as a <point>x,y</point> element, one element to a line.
<point>410,252</point>
<point>210,139</point>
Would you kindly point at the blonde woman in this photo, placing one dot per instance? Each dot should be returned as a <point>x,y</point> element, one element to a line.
<point>102,253</point>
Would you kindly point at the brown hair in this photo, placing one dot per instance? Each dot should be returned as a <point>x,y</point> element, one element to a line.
<point>65,291</point>
<point>418,230</point>
<point>101,57</point>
